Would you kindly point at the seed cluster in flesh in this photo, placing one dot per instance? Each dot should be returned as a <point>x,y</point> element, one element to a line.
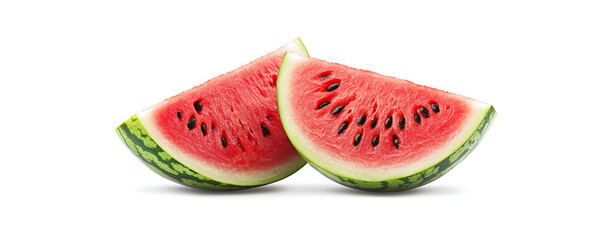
<point>192,123</point>
<point>229,122</point>
<point>203,118</point>
<point>421,112</point>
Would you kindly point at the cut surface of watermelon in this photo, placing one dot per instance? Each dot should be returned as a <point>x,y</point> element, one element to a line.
<point>375,132</point>
<point>224,134</point>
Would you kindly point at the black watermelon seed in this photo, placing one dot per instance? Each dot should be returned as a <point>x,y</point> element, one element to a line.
<point>374,123</point>
<point>388,122</point>
<point>375,141</point>
<point>324,76</point>
<point>203,129</point>
<point>333,87</point>
<point>435,108</point>
<point>417,118</point>
<point>424,112</point>
<point>361,120</point>
<point>343,127</point>
<point>323,104</point>
<point>179,115</point>
<point>224,143</point>
<point>265,130</point>
<point>191,123</point>
<point>198,106</point>
<point>338,109</point>
<point>396,142</point>
<point>357,139</point>
<point>402,123</point>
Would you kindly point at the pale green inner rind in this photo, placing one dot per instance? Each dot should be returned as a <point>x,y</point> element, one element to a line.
<point>200,166</point>
<point>297,46</point>
<point>319,158</point>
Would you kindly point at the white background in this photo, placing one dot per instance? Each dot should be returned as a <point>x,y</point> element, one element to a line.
<point>72,71</point>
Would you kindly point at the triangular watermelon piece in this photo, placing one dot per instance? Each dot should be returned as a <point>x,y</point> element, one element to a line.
<point>374,132</point>
<point>225,134</point>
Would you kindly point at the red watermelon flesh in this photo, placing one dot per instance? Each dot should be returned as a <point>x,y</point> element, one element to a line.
<point>228,129</point>
<point>360,125</point>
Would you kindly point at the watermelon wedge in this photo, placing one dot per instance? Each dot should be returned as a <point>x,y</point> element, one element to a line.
<point>224,134</point>
<point>374,132</point>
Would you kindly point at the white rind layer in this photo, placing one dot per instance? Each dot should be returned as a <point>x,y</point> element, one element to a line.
<point>147,118</point>
<point>320,157</point>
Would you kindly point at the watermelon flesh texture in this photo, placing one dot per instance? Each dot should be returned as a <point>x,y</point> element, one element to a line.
<point>375,132</point>
<point>225,134</point>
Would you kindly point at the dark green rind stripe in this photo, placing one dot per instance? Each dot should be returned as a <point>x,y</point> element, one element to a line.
<point>136,138</point>
<point>421,178</point>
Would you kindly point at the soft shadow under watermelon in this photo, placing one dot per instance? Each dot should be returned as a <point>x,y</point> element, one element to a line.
<point>176,189</point>
<point>422,191</point>
<point>304,190</point>
<point>335,190</point>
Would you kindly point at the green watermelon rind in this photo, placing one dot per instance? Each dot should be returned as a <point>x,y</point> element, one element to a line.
<point>420,178</point>
<point>136,138</point>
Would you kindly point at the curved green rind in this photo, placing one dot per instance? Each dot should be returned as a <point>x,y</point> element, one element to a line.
<point>421,178</point>
<point>136,138</point>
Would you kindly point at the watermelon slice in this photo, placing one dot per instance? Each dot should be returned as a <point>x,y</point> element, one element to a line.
<point>374,132</point>
<point>225,134</point>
